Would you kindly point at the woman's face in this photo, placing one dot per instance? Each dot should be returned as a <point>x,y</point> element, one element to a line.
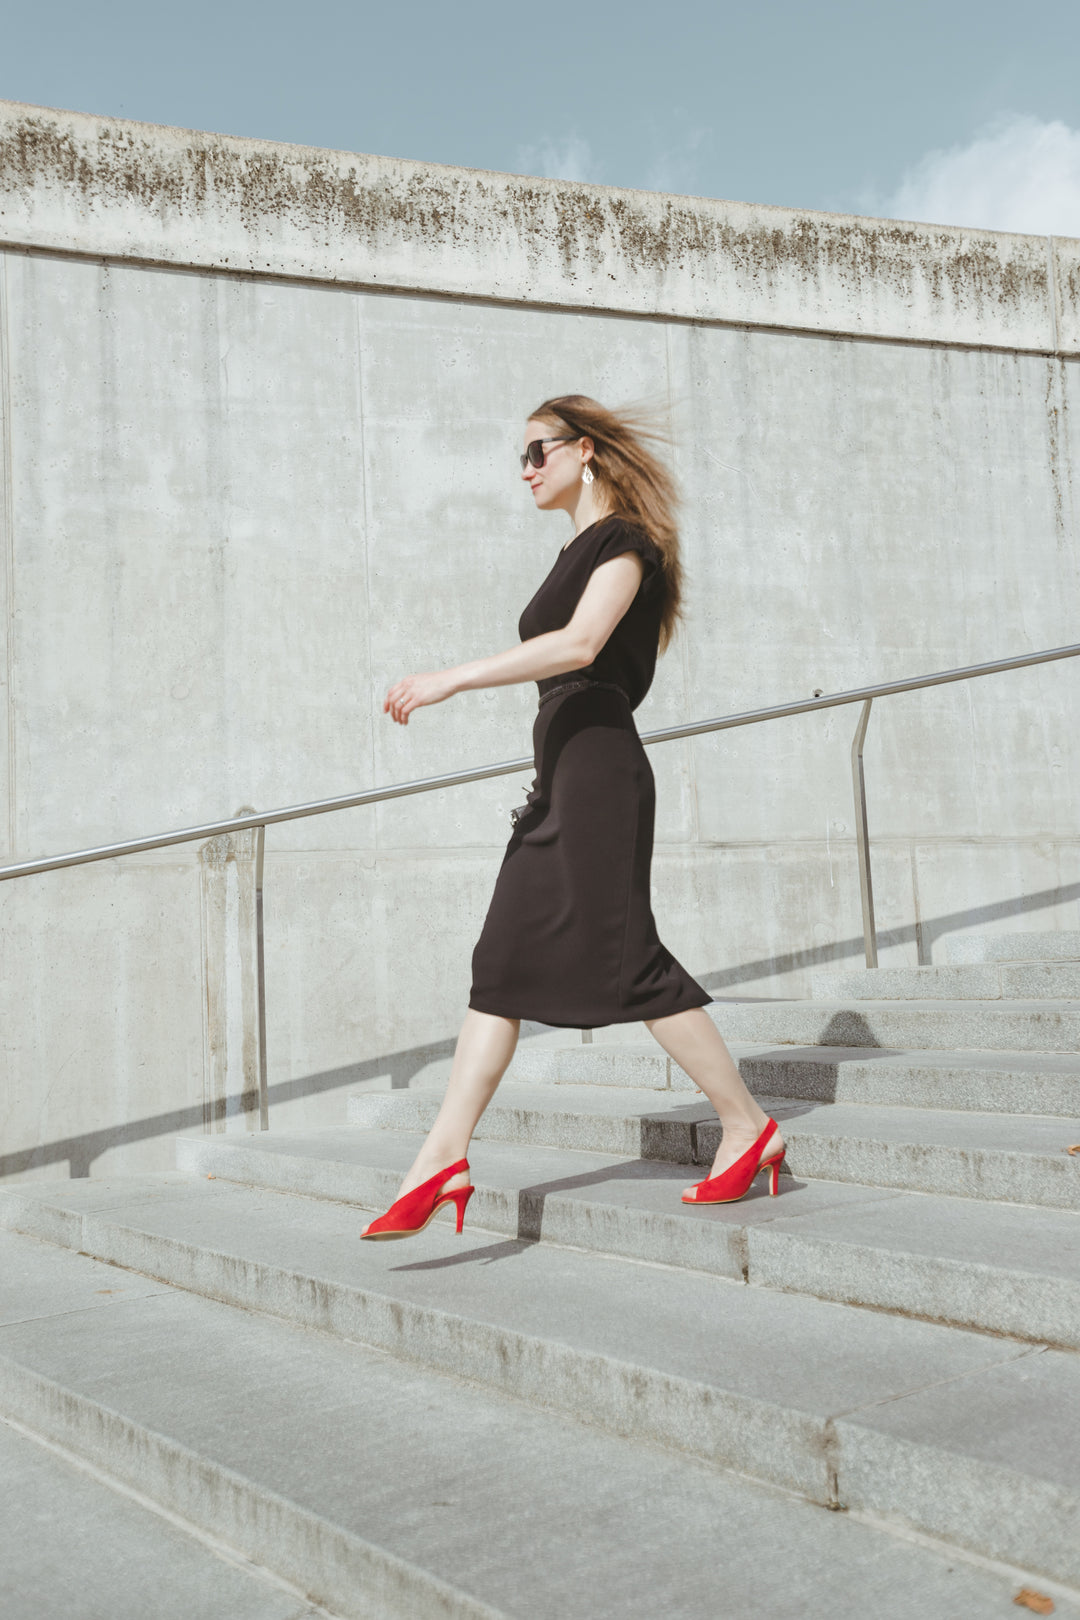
<point>558,482</point>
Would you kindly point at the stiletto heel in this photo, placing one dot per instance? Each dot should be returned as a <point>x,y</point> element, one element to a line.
<point>734,1182</point>
<point>461,1196</point>
<point>413,1210</point>
<point>773,1167</point>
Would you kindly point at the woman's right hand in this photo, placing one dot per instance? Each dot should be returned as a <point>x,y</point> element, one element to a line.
<point>415,691</point>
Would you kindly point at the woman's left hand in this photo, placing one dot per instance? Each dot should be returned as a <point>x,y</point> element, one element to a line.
<point>414,691</point>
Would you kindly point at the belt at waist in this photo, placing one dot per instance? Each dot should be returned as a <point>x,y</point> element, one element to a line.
<point>579,683</point>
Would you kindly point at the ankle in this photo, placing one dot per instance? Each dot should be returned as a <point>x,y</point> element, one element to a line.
<point>439,1155</point>
<point>744,1125</point>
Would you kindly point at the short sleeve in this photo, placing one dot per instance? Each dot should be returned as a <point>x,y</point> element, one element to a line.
<point>623,537</point>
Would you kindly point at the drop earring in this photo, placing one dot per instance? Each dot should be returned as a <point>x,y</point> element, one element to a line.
<point>587,474</point>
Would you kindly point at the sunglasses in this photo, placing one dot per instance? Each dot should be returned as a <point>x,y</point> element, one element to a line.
<point>536,454</point>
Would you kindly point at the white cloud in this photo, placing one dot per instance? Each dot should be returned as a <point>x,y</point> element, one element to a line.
<point>1018,174</point>
<point>568,157</point>
<point>674,167</point>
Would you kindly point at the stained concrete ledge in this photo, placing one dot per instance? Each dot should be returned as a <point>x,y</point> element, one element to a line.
<point>74,183</point>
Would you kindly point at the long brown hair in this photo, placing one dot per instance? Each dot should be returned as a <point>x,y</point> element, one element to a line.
<point>631,480</point>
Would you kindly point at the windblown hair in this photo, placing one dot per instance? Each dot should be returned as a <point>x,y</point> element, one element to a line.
<point>631,480</point>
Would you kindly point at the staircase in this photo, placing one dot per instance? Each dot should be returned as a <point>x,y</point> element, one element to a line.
<point>599,1401</point>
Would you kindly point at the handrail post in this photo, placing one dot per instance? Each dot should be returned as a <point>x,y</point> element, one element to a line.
<point>260,975</point>
<point>862,835</point>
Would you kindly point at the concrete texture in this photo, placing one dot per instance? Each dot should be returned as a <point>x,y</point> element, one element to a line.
<point>741,1377</point>
<point>998,1267</point>
<point>305,374</point>
<point>365,1450</point>
<point>1063,946</point>
<point>74,1547</point>
<point>102,1008</point>
<point>1026,981</point>
<point>981,1427</point>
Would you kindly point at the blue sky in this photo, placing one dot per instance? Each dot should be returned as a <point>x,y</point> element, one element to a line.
<point>953,111</point>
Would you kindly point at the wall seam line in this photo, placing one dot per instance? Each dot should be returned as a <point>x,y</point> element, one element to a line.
<point>1052,277</point>
<point>7,540</point>
<point>366,503</point>
<point>681,633</point>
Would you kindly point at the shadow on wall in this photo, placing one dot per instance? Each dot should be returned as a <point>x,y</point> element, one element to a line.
<point>80,1152</point>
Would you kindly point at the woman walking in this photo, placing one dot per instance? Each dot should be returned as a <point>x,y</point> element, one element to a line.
<point>569,937</point>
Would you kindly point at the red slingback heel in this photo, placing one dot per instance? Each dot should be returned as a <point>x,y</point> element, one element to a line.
<point>412,1211</point>
<point>734,1182</point>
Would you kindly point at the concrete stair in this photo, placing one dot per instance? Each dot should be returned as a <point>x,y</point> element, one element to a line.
<point>992,981</point>
<point>997,1267</point>
<point>596,1377</point>
<point>1006,1083</point>
<point>123,1559</point>
<point>385,1488</point>
<point>1021,1158</point>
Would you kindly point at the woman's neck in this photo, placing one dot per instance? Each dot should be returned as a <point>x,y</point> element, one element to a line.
<point>586,510</point>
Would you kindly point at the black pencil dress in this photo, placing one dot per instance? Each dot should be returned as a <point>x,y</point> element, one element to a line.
<point>569,938</point>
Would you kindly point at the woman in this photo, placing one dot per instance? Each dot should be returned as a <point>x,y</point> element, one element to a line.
<point>569,937</point>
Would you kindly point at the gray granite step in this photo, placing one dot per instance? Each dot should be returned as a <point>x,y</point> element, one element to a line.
<point>76,1548</point>
<point>1018,1158</point>
<point>1015,1083</point>
<point>989,981</point>
<point>1003,1268</point>
<point>1012,1026</point>
<point>401,1492</point>
<point>1043,947</point>
<point>962,1436</point>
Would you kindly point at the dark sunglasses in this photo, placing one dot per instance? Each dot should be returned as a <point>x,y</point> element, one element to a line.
<point>536,453</point>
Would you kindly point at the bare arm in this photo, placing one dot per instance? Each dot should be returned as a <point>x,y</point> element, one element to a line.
<point>606,597</point>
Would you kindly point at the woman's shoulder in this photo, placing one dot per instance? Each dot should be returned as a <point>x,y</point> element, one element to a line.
<point>616,534</point>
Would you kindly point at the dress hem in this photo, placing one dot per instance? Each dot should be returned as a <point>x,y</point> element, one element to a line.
<point>628,1015</point>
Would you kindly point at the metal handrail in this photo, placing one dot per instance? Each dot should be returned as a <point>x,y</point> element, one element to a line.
<point>260,820</point>
<point>429,784</point>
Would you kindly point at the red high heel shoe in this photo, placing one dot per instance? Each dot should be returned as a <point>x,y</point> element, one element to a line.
<point>412,1211</point>
<point>734,1182</point>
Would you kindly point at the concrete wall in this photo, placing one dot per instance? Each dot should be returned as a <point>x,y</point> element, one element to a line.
<point>261,409</point>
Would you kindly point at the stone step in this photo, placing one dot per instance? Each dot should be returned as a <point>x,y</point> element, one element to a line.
<point>989,1082</point>
<point>1017,1158</point>
<point>75,1546</point>
<point>983,981</point>
<point>996,1026</point>
<point>402,1492</point>
<point>1044,947</point>
<point>962,1436</point>
<point>1002,1268</point>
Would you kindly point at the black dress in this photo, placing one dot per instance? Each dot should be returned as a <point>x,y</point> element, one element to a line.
<point>569,938</point>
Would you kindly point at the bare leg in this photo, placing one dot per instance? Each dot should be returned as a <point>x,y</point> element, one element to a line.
<point>485,1045</point>
<point>697,1046</point>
